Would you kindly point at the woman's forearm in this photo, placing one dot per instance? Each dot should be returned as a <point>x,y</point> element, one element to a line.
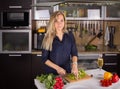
<point>51,64</point>
<point>74,62</point>
<point>75,66</point>
<point>74,59</point>
<point>59,69</point>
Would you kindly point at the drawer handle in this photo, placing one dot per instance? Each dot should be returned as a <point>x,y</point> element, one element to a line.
<point>110,54</point>
<point>110,63</point>
<point>15,55</point>
<point>15,6</point>
<point>39,55</point>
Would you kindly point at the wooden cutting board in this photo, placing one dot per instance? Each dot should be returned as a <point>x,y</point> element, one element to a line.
<point>70,81</point>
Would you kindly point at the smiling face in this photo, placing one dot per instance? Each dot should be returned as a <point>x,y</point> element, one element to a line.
<point>59,23</point>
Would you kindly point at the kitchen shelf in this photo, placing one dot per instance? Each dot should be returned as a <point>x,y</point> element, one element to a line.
<point>114,19</point>
<point>85,18</point>
<point>43,19</point>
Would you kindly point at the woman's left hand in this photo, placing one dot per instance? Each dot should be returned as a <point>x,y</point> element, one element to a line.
<point>75,70</point>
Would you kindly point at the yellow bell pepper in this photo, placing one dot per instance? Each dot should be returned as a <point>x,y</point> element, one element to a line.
<point>108,75</point>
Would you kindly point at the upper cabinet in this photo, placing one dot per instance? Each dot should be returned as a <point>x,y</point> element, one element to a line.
<point>79,10</point>
<point>43,9</point>
<point>100,10</point>
<point>15,4</point>
<point>113,11</point>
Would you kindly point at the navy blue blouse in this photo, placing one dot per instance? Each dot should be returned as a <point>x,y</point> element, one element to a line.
<point>61,52</point>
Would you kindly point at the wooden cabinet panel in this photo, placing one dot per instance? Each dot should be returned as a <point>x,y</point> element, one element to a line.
<point>15,71</point>
<point>119,65</point>
<point>37,67</point>
<point>111,62</point>
<point>4,4</point>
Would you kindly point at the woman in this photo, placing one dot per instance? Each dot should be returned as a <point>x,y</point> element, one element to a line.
<point>59,47</point>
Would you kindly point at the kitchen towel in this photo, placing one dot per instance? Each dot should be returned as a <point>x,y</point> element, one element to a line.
<point>107,36</point>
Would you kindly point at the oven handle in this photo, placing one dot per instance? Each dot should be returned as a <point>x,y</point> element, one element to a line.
<point>15,55</point>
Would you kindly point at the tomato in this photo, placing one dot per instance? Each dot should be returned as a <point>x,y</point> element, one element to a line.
<point>106,82</point>
<point>115,78</point>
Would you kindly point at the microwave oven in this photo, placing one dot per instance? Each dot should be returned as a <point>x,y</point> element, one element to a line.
<point>16,19</point>
<point>15,41</point>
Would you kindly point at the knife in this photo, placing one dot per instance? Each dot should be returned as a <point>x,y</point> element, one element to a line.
<point>63,78</point>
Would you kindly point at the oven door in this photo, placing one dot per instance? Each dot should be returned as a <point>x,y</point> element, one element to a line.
<point>15,41</point>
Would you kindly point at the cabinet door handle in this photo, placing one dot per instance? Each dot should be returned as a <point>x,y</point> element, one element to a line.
<point>15,6</point>
<point>15,55</point>
<point>110,54</point>
<point>39,55</point>
<point>110,64</point>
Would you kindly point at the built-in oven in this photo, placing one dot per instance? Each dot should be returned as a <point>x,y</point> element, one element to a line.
<point>15,41</point>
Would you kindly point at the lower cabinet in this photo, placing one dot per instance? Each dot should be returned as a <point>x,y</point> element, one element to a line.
<point>37,67</point>
<point>15,71</point>
<point>18,71</point>
<point>119,64</point>
<point>111,62</point>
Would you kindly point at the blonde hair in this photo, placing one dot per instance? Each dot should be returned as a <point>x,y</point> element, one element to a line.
<point>51,33</point>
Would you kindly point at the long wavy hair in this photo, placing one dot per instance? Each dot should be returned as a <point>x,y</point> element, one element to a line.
<point>51,32</point>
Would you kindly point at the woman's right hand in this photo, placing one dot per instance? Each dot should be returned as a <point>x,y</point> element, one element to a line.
<point>61,71</point>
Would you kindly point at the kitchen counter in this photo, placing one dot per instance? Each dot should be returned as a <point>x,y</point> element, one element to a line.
<point>84,52</point>
<point>106,50</point>
<point>92,83</point>
<point>37,52</point>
